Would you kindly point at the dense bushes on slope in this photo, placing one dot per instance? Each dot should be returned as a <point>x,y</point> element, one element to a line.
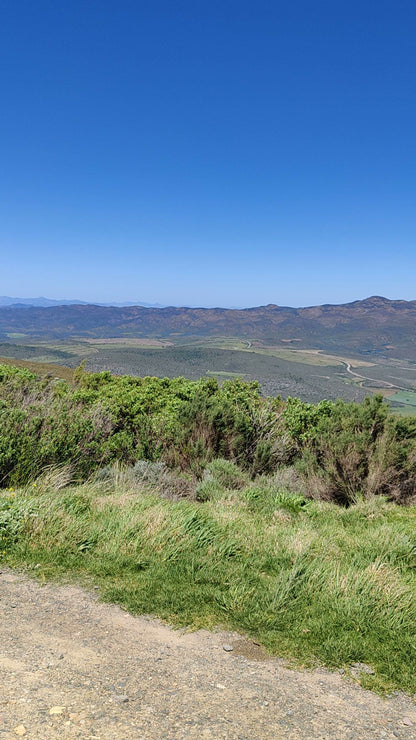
<point>345,450</point>
<point>350,450</point>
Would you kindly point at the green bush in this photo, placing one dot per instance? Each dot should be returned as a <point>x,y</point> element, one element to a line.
<point>359,450</point>
<point>342,451</point>
<point>226,473</point>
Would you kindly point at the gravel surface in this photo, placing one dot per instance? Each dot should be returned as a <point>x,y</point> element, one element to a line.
<point>72,667</point>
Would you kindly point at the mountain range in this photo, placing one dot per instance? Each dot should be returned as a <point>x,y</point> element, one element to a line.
<point>42,302</point>
<point>374,326</point>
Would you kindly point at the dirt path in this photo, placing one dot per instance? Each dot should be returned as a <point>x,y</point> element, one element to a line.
<point>72,667</point>
<point>363,378</point>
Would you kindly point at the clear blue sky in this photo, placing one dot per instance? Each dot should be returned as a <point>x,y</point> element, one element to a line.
<point>197,152</point>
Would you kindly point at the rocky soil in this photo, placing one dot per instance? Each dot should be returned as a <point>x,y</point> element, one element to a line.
<point>72,667</point>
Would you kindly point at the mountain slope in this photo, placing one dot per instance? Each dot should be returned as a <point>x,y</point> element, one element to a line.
<point>375,325</point>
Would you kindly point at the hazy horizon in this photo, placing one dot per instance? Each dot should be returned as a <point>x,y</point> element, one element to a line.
<point>158,304</point>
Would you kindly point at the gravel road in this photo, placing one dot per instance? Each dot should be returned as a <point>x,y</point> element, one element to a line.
<point>72,667</point>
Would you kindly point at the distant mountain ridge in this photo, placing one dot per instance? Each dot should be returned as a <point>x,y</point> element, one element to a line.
<point>6,300</point>
<point>43,302</point>
<point>375,325</point>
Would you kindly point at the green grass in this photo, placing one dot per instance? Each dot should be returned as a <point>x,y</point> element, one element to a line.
<point>403,403</point>
<point>405,411</point>
<point>312,582</point>
<point>405,397</point>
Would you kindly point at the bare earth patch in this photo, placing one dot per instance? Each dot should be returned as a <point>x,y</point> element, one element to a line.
<point>73,667</point>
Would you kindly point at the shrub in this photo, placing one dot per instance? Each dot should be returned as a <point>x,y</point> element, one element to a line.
<point>359,450</point>
<point>208,489</point>
<point>150,425</point>
<point>226,474</point>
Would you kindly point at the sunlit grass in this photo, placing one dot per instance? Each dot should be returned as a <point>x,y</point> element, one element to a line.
<point>311,581</point>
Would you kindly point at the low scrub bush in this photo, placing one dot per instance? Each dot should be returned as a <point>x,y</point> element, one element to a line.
<point>208,489</point>
<point>355,451</point>
<point>150,427</point>
<point>227,474</point>
<point>146,476</point>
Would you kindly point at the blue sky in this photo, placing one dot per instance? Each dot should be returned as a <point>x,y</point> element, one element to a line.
<point>195,152</point>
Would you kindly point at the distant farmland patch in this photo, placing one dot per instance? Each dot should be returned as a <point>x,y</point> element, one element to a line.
<point>407,398</point>
<point>132,341</point>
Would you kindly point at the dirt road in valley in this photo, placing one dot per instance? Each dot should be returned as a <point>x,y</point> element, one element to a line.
<point>72,667</point>
<point>363,378</point>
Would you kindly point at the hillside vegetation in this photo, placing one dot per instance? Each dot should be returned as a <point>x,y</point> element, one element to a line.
<point>209,504</point>
<point>374,326</point>
<point>340,451</point>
